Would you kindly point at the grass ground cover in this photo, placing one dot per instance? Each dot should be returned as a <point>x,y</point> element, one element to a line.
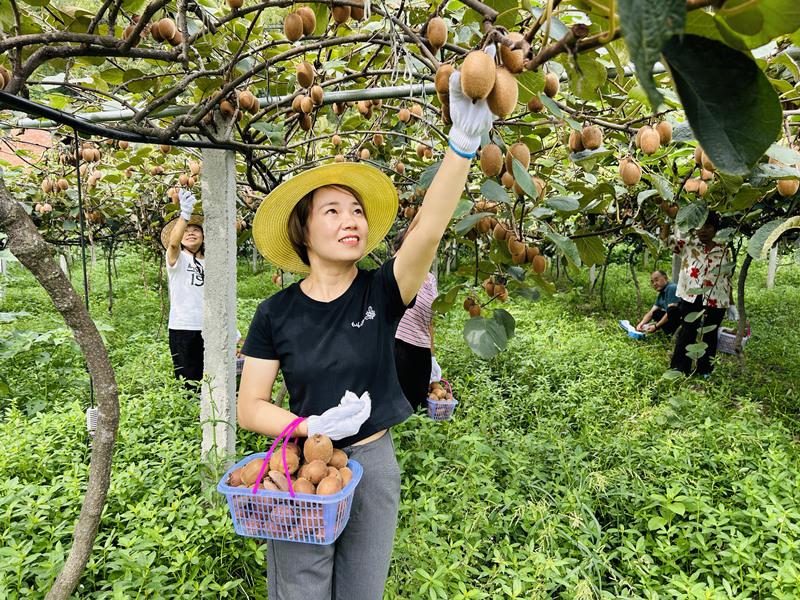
<point>571,469</point>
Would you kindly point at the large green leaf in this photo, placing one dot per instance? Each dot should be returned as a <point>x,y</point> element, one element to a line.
<point>586,75</point>
<point>763,239</point>
<point>445,301</point>
<point>469,222</point>
<point>591,249</point>
<point>486,337</point>
<point>762,21</point>
<point>730,104</point>
<point>647,26</point>
<point>567,246</point>
<point>692,216</point>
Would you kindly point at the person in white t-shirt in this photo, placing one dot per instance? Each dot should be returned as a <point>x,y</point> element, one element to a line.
<point>184,242</point>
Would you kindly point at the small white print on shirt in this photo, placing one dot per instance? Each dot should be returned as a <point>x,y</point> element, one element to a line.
<point>368,316</point>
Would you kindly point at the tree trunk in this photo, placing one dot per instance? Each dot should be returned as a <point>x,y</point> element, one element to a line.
<point>632,263</point>
<point>740,306</point>
<point>27,244</point>
<point>773,267</point>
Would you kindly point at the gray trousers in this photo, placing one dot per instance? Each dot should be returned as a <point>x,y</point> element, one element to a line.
<point>355,566</point>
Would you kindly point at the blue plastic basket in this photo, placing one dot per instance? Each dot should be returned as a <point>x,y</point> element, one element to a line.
<point>441,410</point>
<point>274,515</point>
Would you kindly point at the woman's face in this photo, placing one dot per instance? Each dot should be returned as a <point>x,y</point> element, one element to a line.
<point>192,238</point>
<point>336,230</point>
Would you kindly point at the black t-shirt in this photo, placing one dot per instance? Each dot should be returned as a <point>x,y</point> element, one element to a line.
<point>327,348</point>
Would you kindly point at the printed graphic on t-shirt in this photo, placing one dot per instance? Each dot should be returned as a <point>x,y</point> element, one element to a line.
<point>198,275</point>
<point>368,316</point>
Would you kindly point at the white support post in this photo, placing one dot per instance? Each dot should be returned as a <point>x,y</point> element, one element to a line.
<point>3,272</point>
<point>592,275</point>
<point>62,261</point>
<point>218,402</point>
<point>773,267</point>
<point>255,258</point>
<point>676,267</point>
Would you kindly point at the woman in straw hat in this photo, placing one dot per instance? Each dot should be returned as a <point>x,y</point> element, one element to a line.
<point>332,336</point>
<point>183,240</point>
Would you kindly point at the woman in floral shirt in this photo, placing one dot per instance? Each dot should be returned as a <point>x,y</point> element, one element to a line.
<point>704,286</point>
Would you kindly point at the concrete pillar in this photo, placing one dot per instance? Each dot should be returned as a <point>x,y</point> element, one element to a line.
<point>218,401</point>
<point>592,275</point>
<point>3,273</point>
<point>773,267</point>
<point>255,257</point>
<point>62,261</point>
<point>676,267</point>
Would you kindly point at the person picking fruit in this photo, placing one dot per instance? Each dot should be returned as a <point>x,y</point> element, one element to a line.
<point>183,240</point>
<point>334,331</point>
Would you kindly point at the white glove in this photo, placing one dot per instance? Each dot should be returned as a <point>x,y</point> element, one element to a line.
<point>436,370</point>
<point>733,313</point>
<point>343,420</point>
<point>187,201</point>
<point>470,120</point>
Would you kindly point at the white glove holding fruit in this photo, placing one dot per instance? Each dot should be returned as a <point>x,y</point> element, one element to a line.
<point>470,119</point>
<point>342,420</point>
<point>187,202</point>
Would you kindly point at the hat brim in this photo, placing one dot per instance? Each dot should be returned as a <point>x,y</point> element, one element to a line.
<point>166,231</point>
<point>270,226</point>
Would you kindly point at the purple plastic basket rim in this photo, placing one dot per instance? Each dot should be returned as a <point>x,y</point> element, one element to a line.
<point>227,490</point>
<point>452,402</point>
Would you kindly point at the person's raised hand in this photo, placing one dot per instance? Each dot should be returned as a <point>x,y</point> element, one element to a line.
<point>344,419</point>
<point>471,119</point>
<point>187,202</point>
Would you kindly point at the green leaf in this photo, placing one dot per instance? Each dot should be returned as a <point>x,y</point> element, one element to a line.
<point>530,84</point>
<point>787,156</point>
<point>547,287</point>
<point>505,319</point>
<point>730,104</point>
<point>587,75</point>
<point>485,337</point>
<point>444,302</point>
<point>656,523</point>
<point>693,316</point>
<point>778,171</point>
<point>567,246</point>
<point>469,221</point>
<point>695,351</point>
<point>591,249</point>
<point>563,203</point>
<point>763,239</point>
<point>428,174</point>
<point>528,293</point>
<point>523,179</point>
<point>762,21</point>
<point>676,507</point>
<point>491,190</point>
<point>647,26</point>
<point>692,216</point>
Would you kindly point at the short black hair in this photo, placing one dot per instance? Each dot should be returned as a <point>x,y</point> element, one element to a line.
<point>713,220</point>
<point>661,272</point>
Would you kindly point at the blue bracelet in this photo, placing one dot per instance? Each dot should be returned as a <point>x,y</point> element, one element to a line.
<point>459,152</point>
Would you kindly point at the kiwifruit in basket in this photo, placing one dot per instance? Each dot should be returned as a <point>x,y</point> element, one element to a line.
<point>316,471</point>
<point>334,472</point>
<point>235,478</point>
<point>250,471</point>
<point>346,475</point>
<point>339,459</point>
<point>318,447</point>
<point>304,486</point>
<point>280,480</point>
<point>276,461</point>
<point>329,486</point>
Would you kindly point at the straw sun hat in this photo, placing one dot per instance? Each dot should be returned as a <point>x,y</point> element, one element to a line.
<point>270,226</point>
<point>167,229</point>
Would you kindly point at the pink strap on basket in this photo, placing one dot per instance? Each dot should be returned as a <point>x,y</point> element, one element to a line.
<point>287,434</point>
<point>449,389</point>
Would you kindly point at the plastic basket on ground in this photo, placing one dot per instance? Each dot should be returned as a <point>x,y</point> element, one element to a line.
<point>288,516</point>
<point>442,410</point>
<point>726,339</point>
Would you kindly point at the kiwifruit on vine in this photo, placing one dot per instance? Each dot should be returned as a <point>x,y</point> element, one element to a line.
<point>591,137</point>
<point>309,19</point>
<point>442,78</point>
<point>575,141</point>
<point>436,33</point>
<point>477,75</point>
<point>664,129</point>
<point>513,60</point>
<point>551,84</point>
<point>521,152</point>
<point>630,171</point>
<point>502,98</point>
<point>491,160</point>
<point>648,140</point>
<point>340,13</point>
<point>305,74</point>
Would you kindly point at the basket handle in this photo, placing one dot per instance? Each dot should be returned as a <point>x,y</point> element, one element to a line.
<point>287,434</point>
<point>449,389</point>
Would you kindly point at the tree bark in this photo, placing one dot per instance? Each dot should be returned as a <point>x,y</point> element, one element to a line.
<point>27,244</point>
<point>740,306</point>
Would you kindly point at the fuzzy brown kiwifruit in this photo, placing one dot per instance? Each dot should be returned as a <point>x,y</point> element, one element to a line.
<point>468,302</point>
<point>334,472</point>
<point>317,94</point>
<point>250,471</point>
<point>304,121</point>
<point>477,75</point>
<point>788,187</point>
<point>491,160</point>
<point>235,3</point>
<point>538,264</point>
<point>519,258</point>
<point>177,39</point>
<point>155,31</point>
<point>309,19</point>
<point>248,101</point>
<point>268,484</point>
<point>500,292</point>
<point>696,185</point>
<point>340,14</point>
<point>378,139</point>
<point>521,152</point>
<point>306,104</point>
<point>592,137</point>
<point>315,471</point>
<point>339,158</point>
<point>399,168</point>
<point>428,152</point>
<point>500,233</point>
<point>706,175</point>
<point>404,115</point>
<point>336,140</point>
<point>507,180</point>
<point>530,253</point>
<point>338,459</point>
<point>535,105</point>
<point>513,60</point>
<point>305,74</point>
<point>346,475</point>
<point>183,179</point>
<point>167,28</point>
<point>551,84</point>
<point>705,161</point>
<point>484,225</point>
<point>416,111</point>
<point>279,479</point>
<point>47,186</point>
<point>318,447</point>
<point>227,108</point>
<point>436,32</point>
<point>488,287</point>
<point>630,172</point>
<point>357,12</point>
<point>698,155</point>
<point>276,462</point>
<point>575,143</point>
<point>303,486</point>
<point>515,246</point>
<point>649,140</point>
<point>410,212</point>
<point>364,107</point>
<point>364,154</point>
<point>296,103</point>
<point>329,486</point>
<point>502,99</point>
<point>235,478</point>
<point>664,129</point>
<point>474,310</point>
<point>442,78</point>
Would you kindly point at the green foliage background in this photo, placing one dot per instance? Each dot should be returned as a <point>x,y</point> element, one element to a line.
<point>571,470</point>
